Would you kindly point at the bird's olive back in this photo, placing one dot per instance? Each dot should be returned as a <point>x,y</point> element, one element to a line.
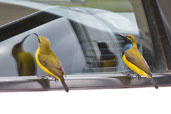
<point>44,43</point>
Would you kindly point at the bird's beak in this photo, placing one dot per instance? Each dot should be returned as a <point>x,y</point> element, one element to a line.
<point>37,36</point>
<point>124,37</point>
<point>25,38</point>
<point>121,36</point>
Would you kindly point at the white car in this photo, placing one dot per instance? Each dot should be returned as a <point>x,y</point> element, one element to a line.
<point>83,36</point>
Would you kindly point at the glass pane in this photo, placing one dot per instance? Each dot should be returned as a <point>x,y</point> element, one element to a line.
<point>82,34</point>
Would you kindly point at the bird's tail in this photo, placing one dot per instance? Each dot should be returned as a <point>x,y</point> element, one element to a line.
<point>65,86</point>
<point>153,82</point>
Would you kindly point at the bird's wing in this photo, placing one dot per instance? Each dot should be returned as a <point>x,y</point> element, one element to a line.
<point>53,66</point>
<point>135,57</point>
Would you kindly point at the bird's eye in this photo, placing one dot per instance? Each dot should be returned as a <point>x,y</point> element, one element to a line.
<point>129,36</point>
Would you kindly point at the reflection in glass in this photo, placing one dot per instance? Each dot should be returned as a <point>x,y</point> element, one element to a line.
<point>73,30</point>
<point>24,60</point>
<point>107,58</point>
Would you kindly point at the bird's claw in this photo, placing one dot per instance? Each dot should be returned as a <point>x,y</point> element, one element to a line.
<point>46,77</point>
<point>51,78</point>
<point>56,80</point>
<point>42,77</point>
<point>130,76</point>
<point>139,77</point>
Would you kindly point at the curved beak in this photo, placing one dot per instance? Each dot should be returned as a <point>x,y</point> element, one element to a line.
<point>25,38</point>
<point>127,40</point>
<point>119,35</point>
<point>37,36</point>
<point>28,36</point>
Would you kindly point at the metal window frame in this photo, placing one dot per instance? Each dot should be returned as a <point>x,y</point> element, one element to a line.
<point>158,31</point>
<point>93,81</point>
<point>96,81</point>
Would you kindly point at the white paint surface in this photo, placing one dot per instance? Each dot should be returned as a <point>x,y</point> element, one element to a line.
<point>112,101</point>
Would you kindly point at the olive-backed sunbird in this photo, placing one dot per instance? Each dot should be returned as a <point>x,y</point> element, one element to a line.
<point>134,59</point>
<point>24,60</point>
<point>48,61</point>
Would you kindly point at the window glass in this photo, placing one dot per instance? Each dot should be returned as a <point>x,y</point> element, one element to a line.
<point>82,34</point>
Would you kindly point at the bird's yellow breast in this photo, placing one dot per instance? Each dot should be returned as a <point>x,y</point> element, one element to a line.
<point>134,68</point>
<point>43,67</point>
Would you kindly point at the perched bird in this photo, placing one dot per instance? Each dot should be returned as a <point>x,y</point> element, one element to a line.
<point>134,59</point>
<point>107,58</point>
<point>48,61</point>
<point>24,60</point>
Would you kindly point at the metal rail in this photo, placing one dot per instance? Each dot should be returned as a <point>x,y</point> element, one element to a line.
<point>97,81</point>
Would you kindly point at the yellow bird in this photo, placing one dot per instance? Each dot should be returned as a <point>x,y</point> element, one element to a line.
<point>48,61</point>
<point>24,60</point>
<point>134,59</point>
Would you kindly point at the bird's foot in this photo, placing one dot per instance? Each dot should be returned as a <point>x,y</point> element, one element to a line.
<point>131,76</point>
<point>42,77</point>
<point>138,76</point>
<point>56,80</point>
<point>46,77</point>
<point>51,78</point>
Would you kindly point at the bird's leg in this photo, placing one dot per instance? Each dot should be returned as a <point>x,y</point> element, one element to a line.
<point>42,77</point>
<point>138,76</point>
<point>50,77</point>
<point>38,76</point>
<point>130,75</point>
<point>56,80</point>
<point>46,77</point>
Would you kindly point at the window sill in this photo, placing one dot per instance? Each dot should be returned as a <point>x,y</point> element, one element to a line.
<point>34,83</point>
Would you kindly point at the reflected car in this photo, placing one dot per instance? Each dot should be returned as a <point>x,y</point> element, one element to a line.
<point>85,41</point>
